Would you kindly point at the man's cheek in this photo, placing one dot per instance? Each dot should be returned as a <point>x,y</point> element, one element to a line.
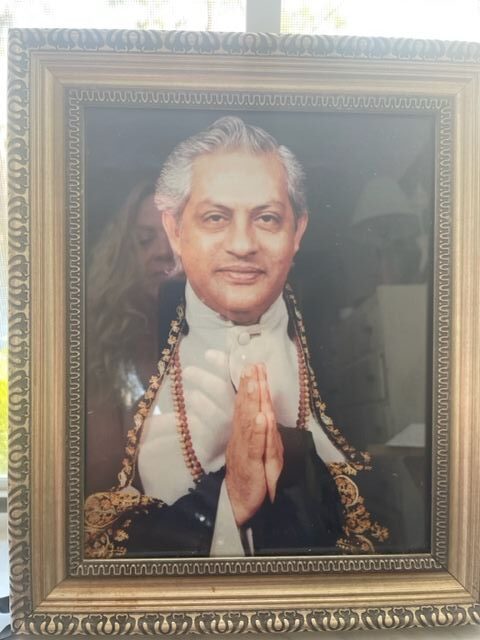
<point>281,261</point>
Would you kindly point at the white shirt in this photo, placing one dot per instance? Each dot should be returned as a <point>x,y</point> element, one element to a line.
<point>212,357</point>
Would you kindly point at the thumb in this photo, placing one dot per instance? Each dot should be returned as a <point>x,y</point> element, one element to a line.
<point>273,456</point>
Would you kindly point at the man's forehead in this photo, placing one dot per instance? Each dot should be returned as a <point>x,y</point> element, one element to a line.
<point>242,162</point>
<point>240,155</point>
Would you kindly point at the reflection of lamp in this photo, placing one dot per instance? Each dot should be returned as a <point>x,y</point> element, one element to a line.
<point>385,222</point>
<point>383,210</point>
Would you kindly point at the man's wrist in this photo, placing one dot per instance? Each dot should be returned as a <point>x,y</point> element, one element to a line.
<point>240,512</point>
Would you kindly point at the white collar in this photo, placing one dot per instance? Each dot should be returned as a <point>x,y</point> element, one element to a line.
<point>200,316</point>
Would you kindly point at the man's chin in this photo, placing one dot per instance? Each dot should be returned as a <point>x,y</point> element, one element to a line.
<point>244,313</point>
<point>241,304</point>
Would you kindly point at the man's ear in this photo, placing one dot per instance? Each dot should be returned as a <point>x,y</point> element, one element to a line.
<point>302,222</point>
<point>172,229</point>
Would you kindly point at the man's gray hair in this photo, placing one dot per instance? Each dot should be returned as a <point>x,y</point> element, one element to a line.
<point>225,134</point>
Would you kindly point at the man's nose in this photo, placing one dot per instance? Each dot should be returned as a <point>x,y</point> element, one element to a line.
<point>241,239</point>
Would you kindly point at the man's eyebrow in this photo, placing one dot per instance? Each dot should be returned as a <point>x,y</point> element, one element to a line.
<point>211,203</point>
<point>271,203</point>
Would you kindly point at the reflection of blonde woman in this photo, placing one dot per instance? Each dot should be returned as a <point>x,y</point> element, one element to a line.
<point>127,268</point>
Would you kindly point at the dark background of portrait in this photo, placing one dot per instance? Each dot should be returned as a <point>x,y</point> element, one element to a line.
<point>365,291</point>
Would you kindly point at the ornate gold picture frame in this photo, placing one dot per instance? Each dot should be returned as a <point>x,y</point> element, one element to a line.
<point>66,89</point>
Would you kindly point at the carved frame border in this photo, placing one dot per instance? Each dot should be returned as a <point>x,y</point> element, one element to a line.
<point>25,616</point>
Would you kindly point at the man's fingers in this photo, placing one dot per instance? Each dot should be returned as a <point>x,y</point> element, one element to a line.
<point>245,459</point>
<point>262,381</point>
<point>257,437</point>
<point>273,460</point>
<point>243,388</point>
<point>247,403</point>
<point>265,398</point>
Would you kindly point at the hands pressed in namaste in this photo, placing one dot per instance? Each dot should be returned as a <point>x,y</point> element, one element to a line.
<point>254,456</point>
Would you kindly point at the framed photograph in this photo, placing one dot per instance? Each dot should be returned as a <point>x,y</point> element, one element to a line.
<point>244,332</point>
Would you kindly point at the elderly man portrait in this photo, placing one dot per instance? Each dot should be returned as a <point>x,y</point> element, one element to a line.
<point>230,452</point>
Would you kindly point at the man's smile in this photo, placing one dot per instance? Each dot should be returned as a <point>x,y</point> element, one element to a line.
<point>241,273</point>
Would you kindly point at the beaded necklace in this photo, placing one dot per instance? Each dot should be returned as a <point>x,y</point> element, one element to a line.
<point>192,463</point>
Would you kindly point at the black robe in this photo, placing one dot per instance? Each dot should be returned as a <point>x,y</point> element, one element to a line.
<point>305,517</point>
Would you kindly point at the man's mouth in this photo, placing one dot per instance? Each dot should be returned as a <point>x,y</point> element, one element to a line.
<point>241,274</point>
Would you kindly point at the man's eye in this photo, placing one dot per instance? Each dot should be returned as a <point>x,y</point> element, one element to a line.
<point>269,219</point>
<point>214,218</point>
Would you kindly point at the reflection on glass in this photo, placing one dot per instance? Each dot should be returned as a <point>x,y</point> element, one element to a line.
<point>375,345</point>
<point>127,267</point>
